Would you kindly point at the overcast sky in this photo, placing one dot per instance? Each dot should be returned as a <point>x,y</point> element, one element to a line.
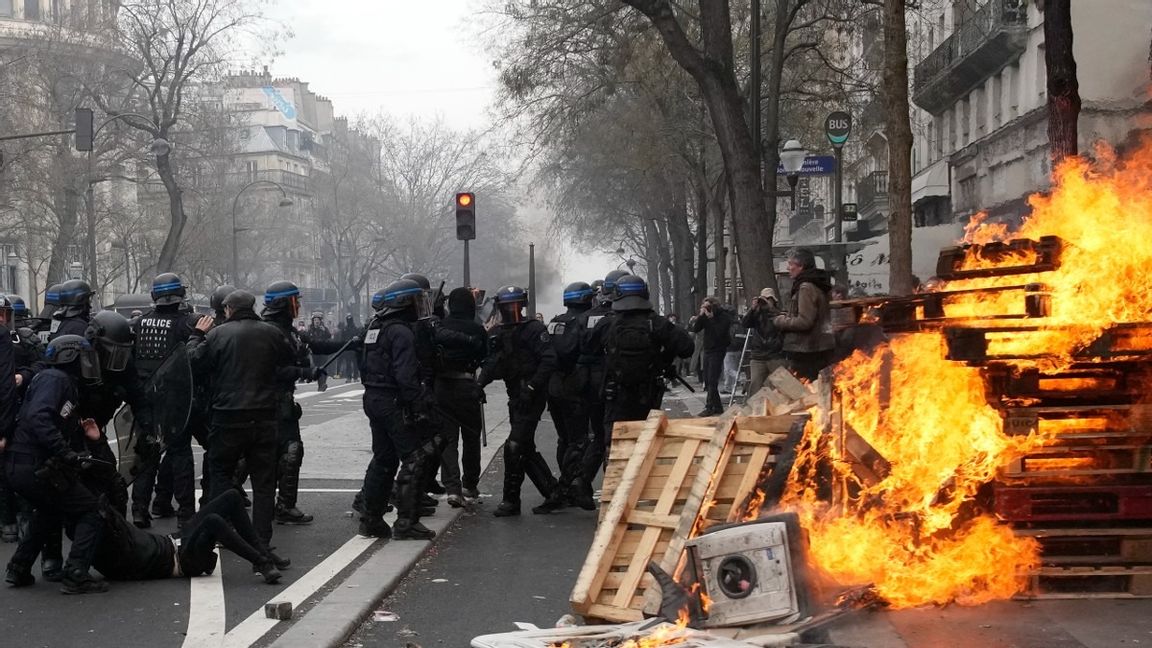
<point>399,56</point>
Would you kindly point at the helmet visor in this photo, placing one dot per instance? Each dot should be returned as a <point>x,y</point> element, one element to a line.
<point>512,312</point>
<point>89,365</point>
<point>115,356</point>
<point>423,304</point>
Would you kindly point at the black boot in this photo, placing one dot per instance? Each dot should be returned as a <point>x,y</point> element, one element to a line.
<point>536,466</point>
<point>292,516</point>
<point>507,509</point>
<point>141,518</point>
<point>268,570</point>
<point>513,480</point>
<point>18,576</point>
<point>79,581</point>
<point>52,569</point>
<point>10,533</point>
<point>554,502</point>
<point>580,494</point>
<point>374,527</point>
<point>412,530</point>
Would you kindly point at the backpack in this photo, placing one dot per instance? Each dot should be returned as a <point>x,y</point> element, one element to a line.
<point>632,350</point>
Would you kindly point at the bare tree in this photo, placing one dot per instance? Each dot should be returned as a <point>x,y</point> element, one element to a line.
<point>899,132</point>
<point>177,43</point>
<point>1063,87</point>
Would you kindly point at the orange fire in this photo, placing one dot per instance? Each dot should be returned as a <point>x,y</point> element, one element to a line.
<point>916,529</point>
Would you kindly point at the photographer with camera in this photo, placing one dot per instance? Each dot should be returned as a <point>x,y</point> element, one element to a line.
<point>715,322</point>
<point>766,348</point>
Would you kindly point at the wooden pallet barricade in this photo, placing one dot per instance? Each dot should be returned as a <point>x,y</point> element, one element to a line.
<point>665,480</point>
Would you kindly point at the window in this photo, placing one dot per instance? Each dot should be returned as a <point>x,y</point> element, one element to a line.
<point>938,121</point>
<point>251,167</point>
<point>31,9</point>
<point>1013,83</point>
<point>964,117</point>
<point>1041,73</point>
<point>915,160</point>
<point>6,8</point>
<point>980,110</point>
<point>997,98</point>
<point>931,38</point>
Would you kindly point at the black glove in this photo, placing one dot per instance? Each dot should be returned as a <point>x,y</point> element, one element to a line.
<point>72,459</point>
<point>321,378</point>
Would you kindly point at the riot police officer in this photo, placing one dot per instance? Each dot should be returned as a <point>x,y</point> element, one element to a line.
<point>9,400</point>
<point>201,397</point>
<point>426,349</point>
<point>639,347</point>
<point>75,309</point>
<point>28,349</point>
<point>398,411</point>
<point>566,400</point>
<point>157,333</point>
<point>281,306</point>
<point>461,346</point>
<point>523,357</point>
<point>43,323</point>
<point>216,302</point>
<point>591,363</point>
<point>42,467</point>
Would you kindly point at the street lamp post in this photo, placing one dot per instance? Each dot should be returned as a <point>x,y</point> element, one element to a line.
<point>792,159</point>
<point>284,202</point>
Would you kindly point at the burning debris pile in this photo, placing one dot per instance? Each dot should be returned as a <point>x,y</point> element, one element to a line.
<point>1008,409</point>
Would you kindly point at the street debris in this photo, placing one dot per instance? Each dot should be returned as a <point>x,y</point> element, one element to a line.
<point>384,616</point>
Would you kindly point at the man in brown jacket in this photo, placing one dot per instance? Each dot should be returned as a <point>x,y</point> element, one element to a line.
<point>807,327</point>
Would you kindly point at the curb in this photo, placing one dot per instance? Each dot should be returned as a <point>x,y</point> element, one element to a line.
<point>336,616</point>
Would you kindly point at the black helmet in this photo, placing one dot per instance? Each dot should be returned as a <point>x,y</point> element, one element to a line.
<point>608,288</point>
<point>19,308</point>
<point>462,303</point>
<point>218,295</point>
<point>631,293</point>
<point>6,309</point>
<point>52,295</point>
<point>578,294</point>
<point>75,297</point>
<point>511,301</point>
<point>399,296</point>
<point>66,349</point>
<point>167,289</point>
<point>282,297</point>
<point>112,336</point>
<point>420,280</point>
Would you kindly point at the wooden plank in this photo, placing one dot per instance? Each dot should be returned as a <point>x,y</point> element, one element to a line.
<point>609,531</point>
<point>747,484</point>
<point>787,384</point>
<point>612,613</point>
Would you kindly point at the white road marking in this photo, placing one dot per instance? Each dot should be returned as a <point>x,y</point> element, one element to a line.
<point>257,625</point>
<point>206,626</point>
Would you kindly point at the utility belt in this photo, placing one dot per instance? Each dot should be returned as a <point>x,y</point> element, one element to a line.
<point>23,458</point>
<point>457,375</point>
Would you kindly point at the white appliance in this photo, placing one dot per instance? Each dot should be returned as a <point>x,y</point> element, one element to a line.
<point>753,572</point>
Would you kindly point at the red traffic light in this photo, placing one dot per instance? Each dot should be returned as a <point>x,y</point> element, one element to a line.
<point>464,200</point>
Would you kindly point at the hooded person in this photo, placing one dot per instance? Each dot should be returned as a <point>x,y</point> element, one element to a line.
<point>807,325</point>
<point>461,346</point>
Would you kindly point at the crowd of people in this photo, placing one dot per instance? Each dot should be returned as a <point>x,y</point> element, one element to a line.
<point>424,360</point>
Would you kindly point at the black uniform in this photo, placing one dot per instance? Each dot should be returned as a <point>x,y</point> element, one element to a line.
<point>290,447</point>
<point>158,332</point>
<point>590,364</point>
<point>73,325</point>
<point>398,411</point>
<point>639,348</point>
<point>523,357</point>
<point>11,356</point>
<point>247,360</point>
<point>462,345</point>
<point>568,403</point>
<point>48,417</point>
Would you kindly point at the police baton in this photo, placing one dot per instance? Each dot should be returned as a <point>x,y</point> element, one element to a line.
<point>483,427</point>
<point>322,380</point>
<point>675,375</point>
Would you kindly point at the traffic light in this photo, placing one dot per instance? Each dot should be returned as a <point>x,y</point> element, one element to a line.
<point>84,127</point>
<point>465,217</point>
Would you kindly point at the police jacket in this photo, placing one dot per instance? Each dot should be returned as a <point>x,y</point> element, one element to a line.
<point>303,346</point>
<point>591,349</point>
<point>28,355</point>
<point>461,346</point>
<point>246,360</point>
<point>568,332</point>
<point>668,340</point>
<point>158,332</point>
<point>48,416</point>
<point>77,325</point>
<point>8,394</point>
<point>521,352</point>
<point>390,361</point>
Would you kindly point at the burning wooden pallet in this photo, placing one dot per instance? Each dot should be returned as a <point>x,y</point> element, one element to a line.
<point>667,480</point>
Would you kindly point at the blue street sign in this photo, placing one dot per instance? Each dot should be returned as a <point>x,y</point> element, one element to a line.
<point>814,165</point>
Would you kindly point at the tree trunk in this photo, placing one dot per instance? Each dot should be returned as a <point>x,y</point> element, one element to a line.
<point>682,264</point>
<point>899,132</point>
<point>713,69</point>
<point>719,252</point>
<point>700,283</point>
<point>1063,88</point>
<point>771,150</point>
<point>171,247</point>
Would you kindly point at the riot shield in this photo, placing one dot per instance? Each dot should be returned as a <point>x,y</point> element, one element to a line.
<point>169,391</point>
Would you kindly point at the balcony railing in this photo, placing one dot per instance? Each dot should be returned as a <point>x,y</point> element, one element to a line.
<point>996,34</point>
<point>872,193</point>
<point>292,182</point>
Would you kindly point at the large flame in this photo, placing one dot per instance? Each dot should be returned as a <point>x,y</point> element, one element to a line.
<point>911,523</point>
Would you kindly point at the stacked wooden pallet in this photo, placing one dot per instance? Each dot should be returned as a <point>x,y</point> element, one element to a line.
<point>666,481</point>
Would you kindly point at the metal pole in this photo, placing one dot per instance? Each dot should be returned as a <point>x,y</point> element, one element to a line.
<point>841,258</point>
<point>235,255</point>
<point>467,267</point>
<point>531,280</point>
<point>90,214</point>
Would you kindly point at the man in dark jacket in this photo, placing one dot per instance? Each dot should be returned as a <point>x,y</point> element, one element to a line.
<point>524,359</point>
<point>766,347</point>
<point>462,344</point>
<point>41,466</point>
<point>247,360</point>
<point>807,326</point>
<point>399,413</point>
<point>715,323</point>
<point>74,311</point>
<point>157,333</point>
